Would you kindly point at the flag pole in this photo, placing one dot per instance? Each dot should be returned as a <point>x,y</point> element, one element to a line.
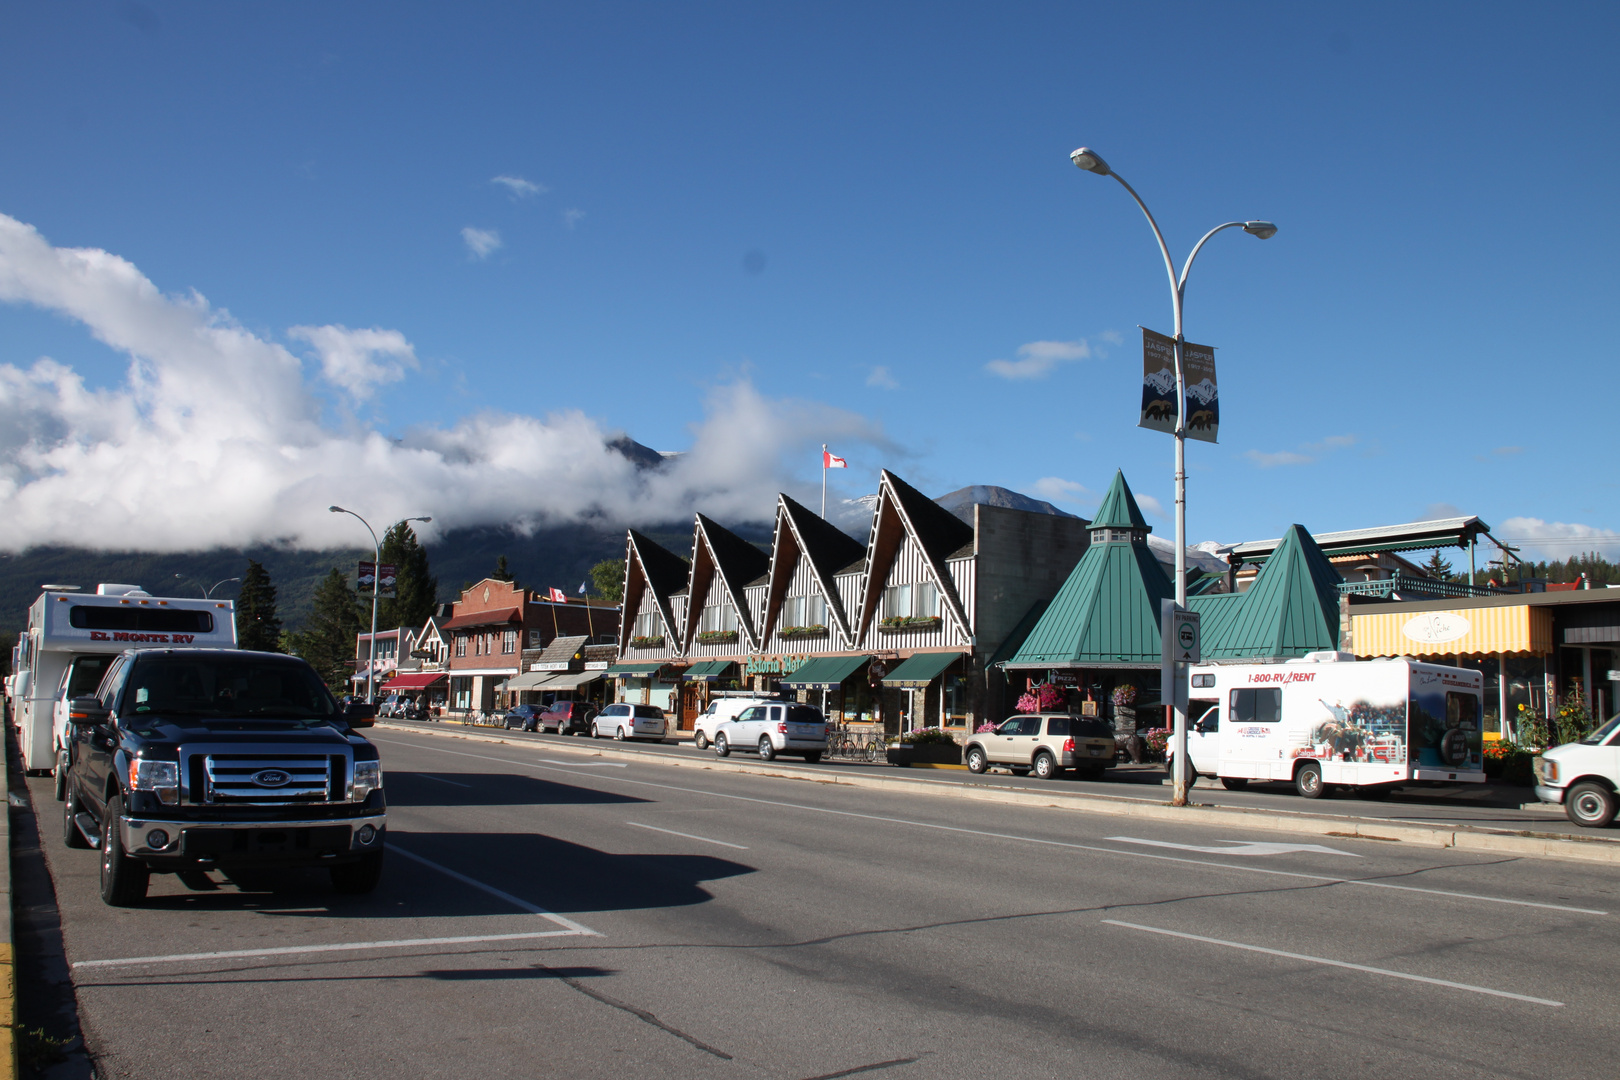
<point>588,623</point>
<point>555,633</point>
<point>824,480</point>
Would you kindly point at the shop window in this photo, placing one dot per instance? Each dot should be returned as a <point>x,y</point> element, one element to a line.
<point>534,639</point>
<point>646,625</point>
<point>718,617</point>
<point>508,642</point>
<point>461,645</point>
<point>954,701</point>
<point>804,611</point>
<point>916,601</point>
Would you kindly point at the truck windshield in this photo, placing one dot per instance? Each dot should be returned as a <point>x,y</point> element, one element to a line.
<point>1601,735</point>
<point>227,686</point>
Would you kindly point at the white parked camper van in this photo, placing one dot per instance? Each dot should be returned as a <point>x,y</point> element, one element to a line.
<point>1329,719</point>
<point>72,637</point>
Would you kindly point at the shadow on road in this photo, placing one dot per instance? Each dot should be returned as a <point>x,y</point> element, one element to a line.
<point>491,789</point>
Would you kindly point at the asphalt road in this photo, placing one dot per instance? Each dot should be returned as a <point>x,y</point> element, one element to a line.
<point>547,914</point>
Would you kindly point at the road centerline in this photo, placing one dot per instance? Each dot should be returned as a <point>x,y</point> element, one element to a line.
<point>442,780</point>
<point>688,836</point>
<point>515,901</point>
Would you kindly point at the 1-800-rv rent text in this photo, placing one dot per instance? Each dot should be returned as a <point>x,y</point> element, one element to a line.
<point>1321,721</point>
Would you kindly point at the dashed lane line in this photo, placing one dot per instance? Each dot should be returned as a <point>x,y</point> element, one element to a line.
<point>687,836</point>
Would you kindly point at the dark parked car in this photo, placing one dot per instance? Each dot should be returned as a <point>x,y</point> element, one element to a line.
<point>526,717</point>
<point>569,717</point>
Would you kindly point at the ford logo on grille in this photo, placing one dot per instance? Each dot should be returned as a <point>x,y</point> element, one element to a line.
<point>271,778</point>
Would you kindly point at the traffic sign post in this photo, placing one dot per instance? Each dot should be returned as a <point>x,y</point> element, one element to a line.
<point>1180,645</point>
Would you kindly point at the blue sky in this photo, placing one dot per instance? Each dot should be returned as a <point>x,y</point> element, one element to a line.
<point>743,230</point>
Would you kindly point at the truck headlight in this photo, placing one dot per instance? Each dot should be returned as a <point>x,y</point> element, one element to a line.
<point>161,778</point>
<point>1548,770</point>
<point>367,778</point>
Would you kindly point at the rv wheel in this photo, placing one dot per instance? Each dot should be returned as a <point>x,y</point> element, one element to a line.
<point>1590,805</point>
<point>1308,781</point>
<point>1234,783</point>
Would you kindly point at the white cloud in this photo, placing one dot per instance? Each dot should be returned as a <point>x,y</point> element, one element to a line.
<point>573,216</point>
<point>881,378</point>
<point>1112,337</point>
<point>1281,457</point>
<point>1440,511</point>
<point>1546,540</point>
<point>519,187</point>
<point>1037,359</point>
<point>359,361</point>
<point>1334,442</point>
<point>481,241</point>
<point>1057,489</point>
<point>1150,504</point>
<point>214,437</point>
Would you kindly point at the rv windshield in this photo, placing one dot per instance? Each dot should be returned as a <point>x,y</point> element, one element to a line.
<point>1601,735</point>
<point>217,686</point>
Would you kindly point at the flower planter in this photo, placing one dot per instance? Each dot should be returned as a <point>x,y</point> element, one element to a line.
<point>794,632</point>
<point>717,637</point>
<point>908,626</point>
<point>907,754</point>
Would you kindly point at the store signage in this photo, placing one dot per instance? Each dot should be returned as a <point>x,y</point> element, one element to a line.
<point>1435,627</point>
<point>774,665</point>
<point>1203,408</point>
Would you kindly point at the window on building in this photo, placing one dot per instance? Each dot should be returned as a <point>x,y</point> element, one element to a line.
<point>646,625</point>
<point>509,642</point>
<point>804,611</point>
<point>719,616</point>
<point>461,645</point>
<point>534,639</point>
<point>917,601</point>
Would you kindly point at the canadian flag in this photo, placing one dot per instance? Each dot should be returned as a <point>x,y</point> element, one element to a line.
<point>557,595</point>
<point>828,461</point>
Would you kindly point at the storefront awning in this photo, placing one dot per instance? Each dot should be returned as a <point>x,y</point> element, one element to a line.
<point>642,670</point>
<point>918,671</point>
<point>825,672</point>
<point>709,670</point>
<point>573,680</point>
<point>529,680</point>
<point>483,618</point>
<point>1517,630</point>
<point>416,681</point>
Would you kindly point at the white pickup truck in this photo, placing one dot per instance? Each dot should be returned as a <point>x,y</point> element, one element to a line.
<point>1583,776</point>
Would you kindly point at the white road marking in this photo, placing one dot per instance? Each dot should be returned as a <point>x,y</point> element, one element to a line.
<point>1238,847</point>
<point>1340,964</point>
<point>688,836</point>
<point>588,764</point>
<point>298,950</point>
<point>515,901</point>
<point>442,780</point>
<point>1057,843</point>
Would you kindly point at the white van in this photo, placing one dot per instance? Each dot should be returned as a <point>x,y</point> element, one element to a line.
<point>1583,776</point>
<point>720,711</point>
<point>1329,719</point>
<point>65,625</point>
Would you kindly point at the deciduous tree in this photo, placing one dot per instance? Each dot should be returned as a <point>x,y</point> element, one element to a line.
<point>607,580</point>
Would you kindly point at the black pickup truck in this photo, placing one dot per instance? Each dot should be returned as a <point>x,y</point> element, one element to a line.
<point>189,760</point>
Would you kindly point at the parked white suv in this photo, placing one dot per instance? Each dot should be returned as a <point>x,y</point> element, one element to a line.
<point>775,728</point>
<point>720,711</point>
<point>1583,776</point>
<point>1045,743</point>
<point>630,722</point>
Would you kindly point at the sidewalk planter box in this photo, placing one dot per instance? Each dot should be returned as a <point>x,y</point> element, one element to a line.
<point>925,754</point>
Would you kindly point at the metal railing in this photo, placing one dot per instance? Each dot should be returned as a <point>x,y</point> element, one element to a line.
<point>1410,586</point>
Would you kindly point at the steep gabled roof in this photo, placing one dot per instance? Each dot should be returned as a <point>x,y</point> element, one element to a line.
<point>1119,509</point>
<point>827,549</point>
<point>719,552</point>
<point>1106,614</point>
<point>1291,609</point>
<point>649,566</point>
<point>904,511</point>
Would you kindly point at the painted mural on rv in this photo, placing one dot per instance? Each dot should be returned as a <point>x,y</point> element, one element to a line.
<point>1443,722</point>
<point>1358,730</point>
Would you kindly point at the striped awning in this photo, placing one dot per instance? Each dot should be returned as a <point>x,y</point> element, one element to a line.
<point>1519,630</point>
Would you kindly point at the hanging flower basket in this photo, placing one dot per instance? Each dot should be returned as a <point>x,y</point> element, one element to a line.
<point>903,624</point>
<point>717,637</point>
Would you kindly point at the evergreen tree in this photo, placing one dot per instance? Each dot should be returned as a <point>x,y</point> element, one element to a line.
<point>501,573</point>
<point>257,625</point>
<point>418,589</point>
<point>607,580</point>
<point>327,640</point>
<point>1437,567</point>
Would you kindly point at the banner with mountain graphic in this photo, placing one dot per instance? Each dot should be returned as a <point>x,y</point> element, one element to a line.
<point>1159,387</point>
<point>1203,400</point>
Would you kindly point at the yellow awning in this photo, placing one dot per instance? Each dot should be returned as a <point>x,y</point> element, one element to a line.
<point>1521,630</point>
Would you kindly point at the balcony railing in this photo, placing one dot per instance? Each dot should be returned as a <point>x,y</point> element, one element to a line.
<point>1409,587</point>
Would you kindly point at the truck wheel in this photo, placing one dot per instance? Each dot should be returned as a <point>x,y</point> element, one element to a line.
<point>722,745</point>
<point>976,761</point>
<point>767,752</point>
<point>123,879</point>
<point>71,836</point>
<point>701,741</point>
<point>358,878</point>
<point>1234,783</point>
<point>1590,805</point>
<point>1308,781</point>
<point>1045,766</point>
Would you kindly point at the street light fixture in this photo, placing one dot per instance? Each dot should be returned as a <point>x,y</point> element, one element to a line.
<point>1090,161</point>
<point>376,563</point>
<point>209,595</point>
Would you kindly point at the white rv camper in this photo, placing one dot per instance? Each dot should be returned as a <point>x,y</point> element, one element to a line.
<point>71,637</point>
<point>1331,720</point>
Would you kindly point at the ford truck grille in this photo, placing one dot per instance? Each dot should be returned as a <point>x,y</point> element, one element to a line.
<point>288,778</point>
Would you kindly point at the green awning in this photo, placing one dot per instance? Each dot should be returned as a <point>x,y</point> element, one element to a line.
<point>708,670</point>
<point>635,669</point>
<point>918,671</point>
<point>825,672</point>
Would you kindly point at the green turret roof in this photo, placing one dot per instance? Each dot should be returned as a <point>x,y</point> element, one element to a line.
<point>1291,609</point>
<point>1119,509</point>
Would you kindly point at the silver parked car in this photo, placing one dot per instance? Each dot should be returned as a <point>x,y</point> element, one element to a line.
<point>624,721</point>
<point>1045,743</point>
<point>776,728</point>
<point>720,711</point>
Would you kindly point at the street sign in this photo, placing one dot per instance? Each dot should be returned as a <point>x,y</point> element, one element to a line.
<point>1187,643</point>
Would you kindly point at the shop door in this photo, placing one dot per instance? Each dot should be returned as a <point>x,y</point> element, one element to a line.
<point>692,695</point>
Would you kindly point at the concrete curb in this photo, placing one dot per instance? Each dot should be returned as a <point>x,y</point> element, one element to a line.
<point>1525,844</point>
<point>8,953</point>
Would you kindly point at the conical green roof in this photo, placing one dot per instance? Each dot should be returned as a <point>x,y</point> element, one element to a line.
<point>1119,509</point>
<point>1291,609</point>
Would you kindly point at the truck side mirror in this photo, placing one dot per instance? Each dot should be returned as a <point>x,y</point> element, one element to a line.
<point>87,712</point>
<point>360,714</point>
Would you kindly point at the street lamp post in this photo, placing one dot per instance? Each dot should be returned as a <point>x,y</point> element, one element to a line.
<point>208,594</point>
<point>376,564</point>
<point>1089,160</point>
